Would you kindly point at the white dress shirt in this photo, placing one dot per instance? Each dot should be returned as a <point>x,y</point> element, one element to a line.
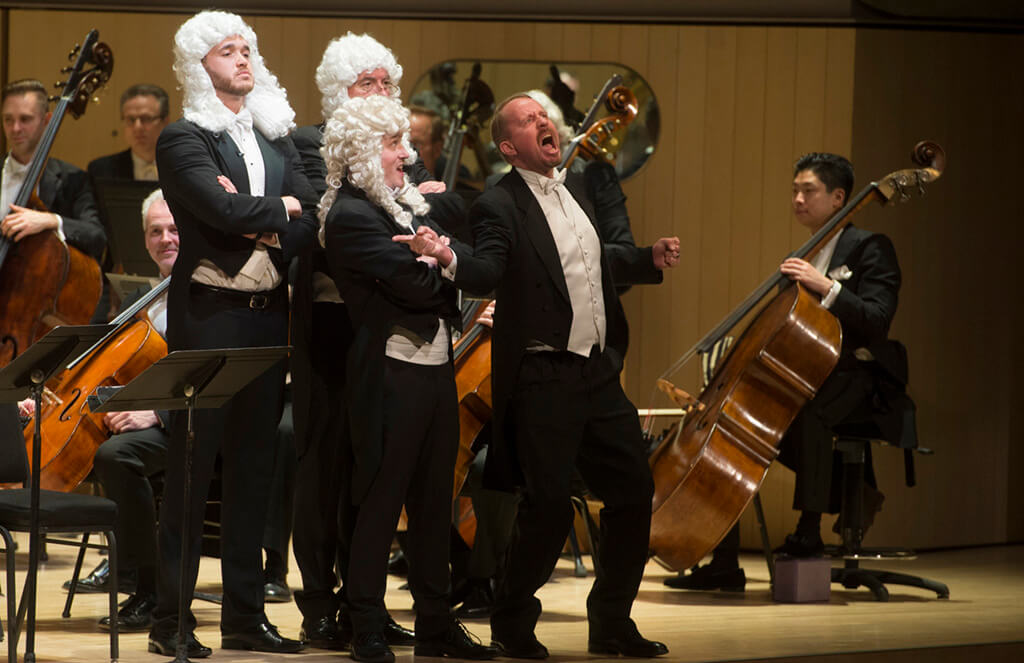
<point>820,263</point>
<point>143,170</point>
<point>579,251</point>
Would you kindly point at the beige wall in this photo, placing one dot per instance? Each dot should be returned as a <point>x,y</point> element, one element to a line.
<point>739,104</point>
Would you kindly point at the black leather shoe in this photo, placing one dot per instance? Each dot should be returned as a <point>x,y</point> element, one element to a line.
<point>96,581</point>
<point>135,615</point>
<point>263,637</point>
<point>707,578</point>
<point>802,545</point>
<point>324,633</point>
<point>371,648</point>
<point>628,643</point>
<point>165,645</point>
<point>529,647</point>
<point>397,635</point>
<point>276,590</point>
<point>455,642</point>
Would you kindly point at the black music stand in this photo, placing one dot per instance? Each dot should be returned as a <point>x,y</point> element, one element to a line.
<point>176,382</point>
<point>25,376</point>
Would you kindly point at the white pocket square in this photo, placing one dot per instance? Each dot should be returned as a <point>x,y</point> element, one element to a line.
<point>840,273</point>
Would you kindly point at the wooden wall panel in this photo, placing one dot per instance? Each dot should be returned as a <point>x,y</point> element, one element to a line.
<point>738,106</point>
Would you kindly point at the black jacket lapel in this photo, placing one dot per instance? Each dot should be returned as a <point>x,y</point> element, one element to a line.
<point>233,163</point>
<point>538,231</point>
<point>273,164</point>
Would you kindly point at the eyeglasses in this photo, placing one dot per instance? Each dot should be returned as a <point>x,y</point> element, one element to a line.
<point>368,85</point>
<point>145,120</point>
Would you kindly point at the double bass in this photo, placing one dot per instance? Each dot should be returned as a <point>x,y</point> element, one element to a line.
<point>707,472</point>
<point>476,105</point>
<point>43,282</point>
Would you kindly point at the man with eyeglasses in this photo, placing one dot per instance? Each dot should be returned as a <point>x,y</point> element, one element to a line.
<point>352,66</point>
<point>144,114</point>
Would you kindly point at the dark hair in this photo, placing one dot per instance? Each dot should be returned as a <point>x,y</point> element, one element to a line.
<point>148,90</point>
<point>436,126</point>
<point>27,86</point>
<point>833,171</point>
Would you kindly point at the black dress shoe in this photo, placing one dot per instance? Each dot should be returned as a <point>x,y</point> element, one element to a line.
<point>397,635</point>
<point>527,647</point>
<point>135,615</point>
<point>276,590</point>
<point>324,633</point>
<point>628,642</point>
<point>708,578</point>
<point>96,581</point>
<point>371,647</point>
<point>166,645</point>
<point>802,545</point>
<point>262,637</point>
<point>455,642</point>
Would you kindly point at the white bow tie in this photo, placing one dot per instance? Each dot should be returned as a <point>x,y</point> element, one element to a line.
<point>548,184</point>
<point>243,120</point>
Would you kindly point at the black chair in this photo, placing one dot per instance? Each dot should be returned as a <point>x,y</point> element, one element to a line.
<point>58,513</point>
<point>853,440</point>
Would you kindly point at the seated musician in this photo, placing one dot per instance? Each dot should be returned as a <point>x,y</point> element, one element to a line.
<point>144,114</point>
<point>400,376</point>
<point>857,278</point>
<point>64,189</point>
<point>559,338</point>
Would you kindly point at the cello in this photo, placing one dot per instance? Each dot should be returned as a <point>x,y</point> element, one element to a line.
<point>707,472</point>
<point>70,432</point>
<point>43,282</point>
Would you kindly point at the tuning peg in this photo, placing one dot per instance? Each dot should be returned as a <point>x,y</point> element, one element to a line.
<point>74,51</point>
<point>66,70</point>
<point>52,98</point>
<point>60,84</point>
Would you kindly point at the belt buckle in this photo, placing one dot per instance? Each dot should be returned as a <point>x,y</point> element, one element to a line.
<point>258,301</point>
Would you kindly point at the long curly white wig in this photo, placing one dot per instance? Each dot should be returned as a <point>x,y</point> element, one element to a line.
<point>268,101</point>
<point>344,59</point>
<point>353,146</point>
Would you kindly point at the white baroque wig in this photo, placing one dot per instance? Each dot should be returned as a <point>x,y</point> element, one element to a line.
<point>353,146</point>
<point>343,60</point>
<point>268,101</point>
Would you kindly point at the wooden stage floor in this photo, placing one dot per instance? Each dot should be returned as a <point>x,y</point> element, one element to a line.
<point>982,622</point>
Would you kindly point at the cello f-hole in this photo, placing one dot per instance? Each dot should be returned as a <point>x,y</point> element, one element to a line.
<point>76,392</point>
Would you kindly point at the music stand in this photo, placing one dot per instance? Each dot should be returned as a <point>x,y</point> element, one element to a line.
<point>26,375</point>
<point>176,382</point>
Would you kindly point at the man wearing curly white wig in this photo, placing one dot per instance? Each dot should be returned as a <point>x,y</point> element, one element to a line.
<point>352,66</point>
<point>243,207</point>
<point>400,375</point>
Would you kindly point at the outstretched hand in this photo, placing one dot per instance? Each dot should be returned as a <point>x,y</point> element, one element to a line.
<point>426,242</point>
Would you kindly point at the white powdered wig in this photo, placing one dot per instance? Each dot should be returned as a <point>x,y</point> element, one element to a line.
<point>344,59</point>
<point>565,134</point>
<point>353,147</point>
<point>268,101</point>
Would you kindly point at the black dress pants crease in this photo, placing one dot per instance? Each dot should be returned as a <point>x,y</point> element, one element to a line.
<point>324,515</point>
<point>243,432</point>
<point>123,464</point>
<point>569,412</point>
<point>807,446</point>
<point>421,434</point>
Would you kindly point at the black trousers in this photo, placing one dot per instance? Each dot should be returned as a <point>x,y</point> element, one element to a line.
<point>569,412</point>
<point>421,437</point>
<point>807,446</point>
<point>278,531</point>
<point>324,515</point>
<point>243,432</point>
<point>123,465</point>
